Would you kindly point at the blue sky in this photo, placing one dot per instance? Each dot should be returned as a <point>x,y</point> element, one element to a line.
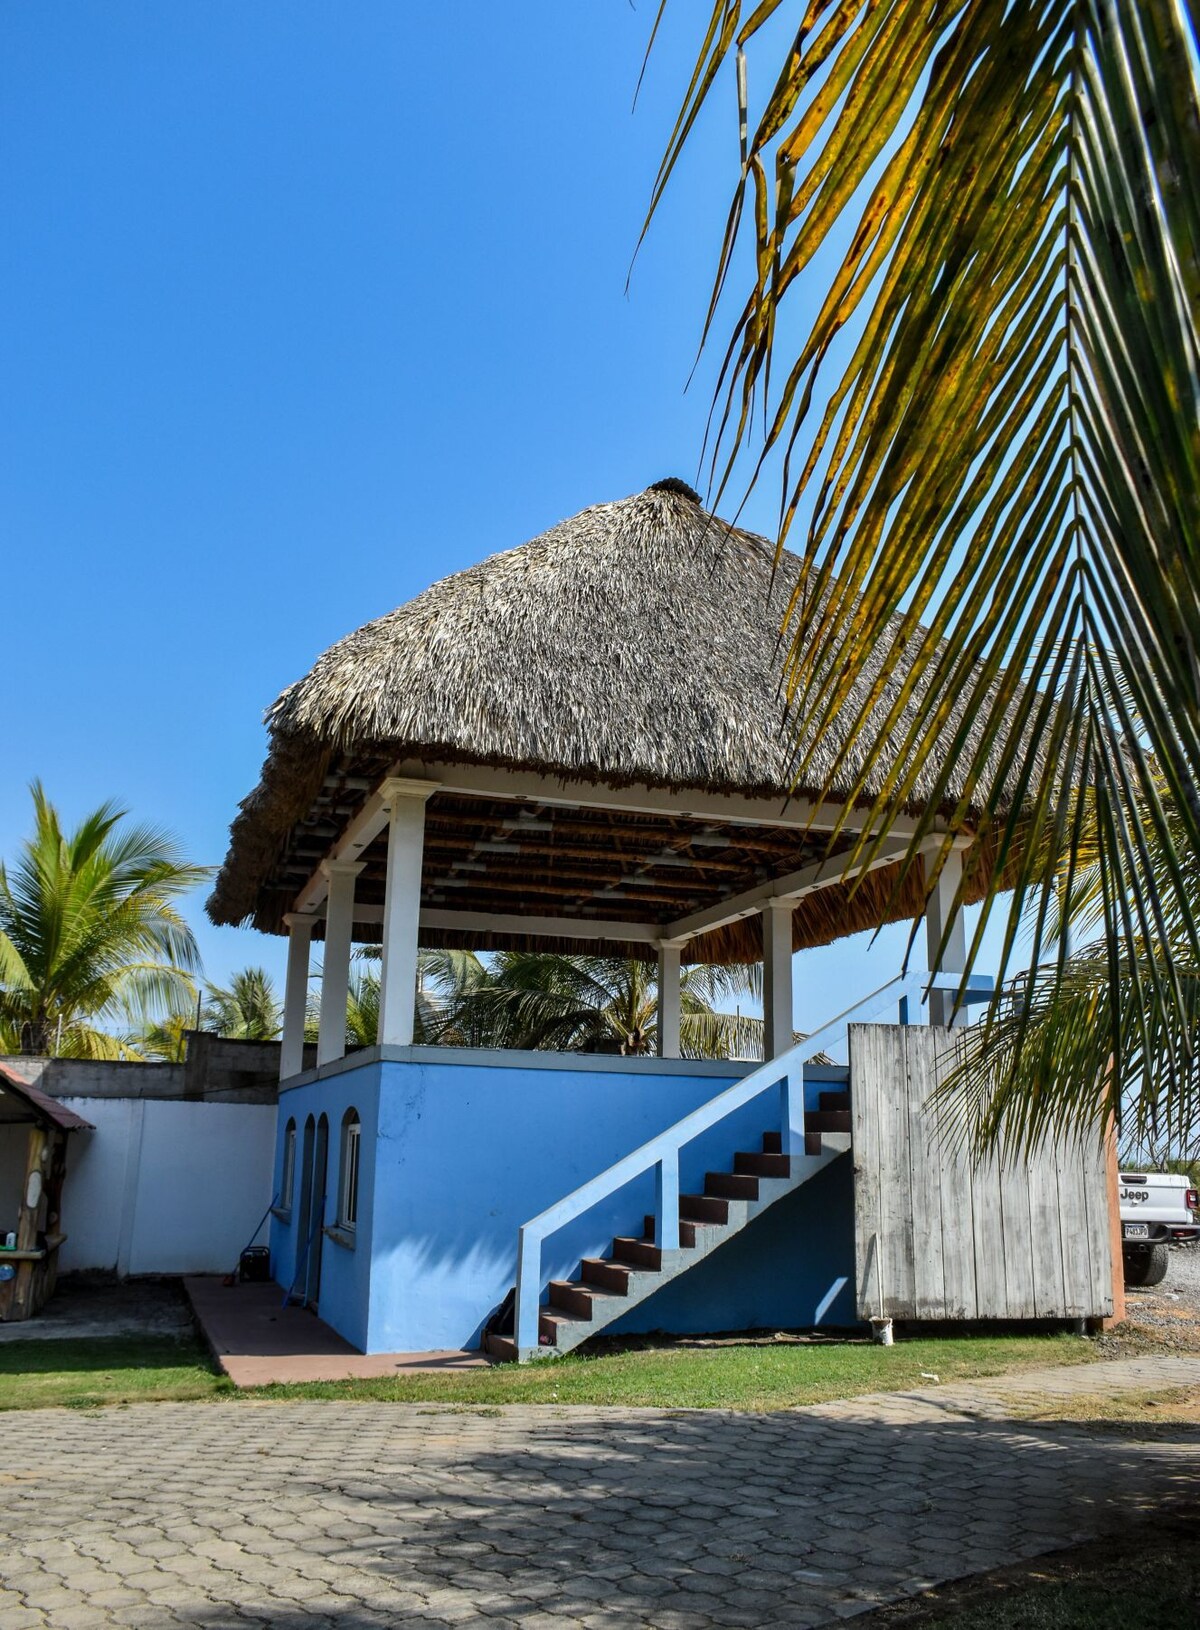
<point>304,305</point>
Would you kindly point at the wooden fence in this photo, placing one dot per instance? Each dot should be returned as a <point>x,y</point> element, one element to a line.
<point>937,1237</point>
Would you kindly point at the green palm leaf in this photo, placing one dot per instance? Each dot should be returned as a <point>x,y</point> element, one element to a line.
<point>91,935</point>
<point>990,436</point>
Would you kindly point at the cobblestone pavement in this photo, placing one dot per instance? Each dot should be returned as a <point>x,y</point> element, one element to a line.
<point>354,1515</point>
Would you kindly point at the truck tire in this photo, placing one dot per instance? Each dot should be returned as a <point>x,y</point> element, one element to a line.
<point>1146,1267</point>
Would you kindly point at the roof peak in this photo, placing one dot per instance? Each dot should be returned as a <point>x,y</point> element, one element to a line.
<point>672,483</point>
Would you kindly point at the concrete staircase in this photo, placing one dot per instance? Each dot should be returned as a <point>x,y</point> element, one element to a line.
<point>634,1269</point>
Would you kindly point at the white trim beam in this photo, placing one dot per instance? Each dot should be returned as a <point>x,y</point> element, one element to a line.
<point>501,922</point>
<point>475,781</point>
<point>360,833</point>
<point>822,874</point>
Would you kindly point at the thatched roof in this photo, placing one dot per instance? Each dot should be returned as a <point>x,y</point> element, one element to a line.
<point>636,642</point>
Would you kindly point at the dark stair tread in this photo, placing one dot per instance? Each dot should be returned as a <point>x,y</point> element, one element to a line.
<point>703,1208</point>
<point>834,1101</point>
<point>551,1319</point>
<point>503,1348</point>
<point>763,1165</point>
<point>731,1185</point>
<point>612,1277</point>
<point>640,1253</point>
<point>569,1296</point>
<point>828,1120</point>
<point>773,1141</point>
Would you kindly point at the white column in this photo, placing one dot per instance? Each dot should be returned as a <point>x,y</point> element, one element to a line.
<point>778,1025</point>
<point>405,802</point>
<point>940,914</point>
<point>670,1007</point>
<point>295,992</point>
<point>335,971</point>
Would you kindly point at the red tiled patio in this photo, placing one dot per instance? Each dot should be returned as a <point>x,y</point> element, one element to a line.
<point>257,1341</point>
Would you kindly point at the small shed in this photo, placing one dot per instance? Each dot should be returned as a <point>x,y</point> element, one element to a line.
<point>33,1167</point>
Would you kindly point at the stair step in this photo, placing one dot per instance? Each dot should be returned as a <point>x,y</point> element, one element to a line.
<point>503,1348</point>
<point>763,1165</point>
<point>704,1208</point>
<point>827,1120</point>
<point>572,1297</point>
<point>553,1319</point>
<point>612,1277</point>
<point>687,1232</point>
<point>731,1185</point>
<point>638,1253</point>
<point>773,1141</point>
<point>834,1101</point>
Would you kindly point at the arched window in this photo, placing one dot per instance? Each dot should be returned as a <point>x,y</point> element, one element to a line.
<point>287,1178</point>
<point>348,1185</point>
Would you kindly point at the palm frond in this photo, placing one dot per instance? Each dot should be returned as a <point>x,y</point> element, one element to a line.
<point>1001,475</point>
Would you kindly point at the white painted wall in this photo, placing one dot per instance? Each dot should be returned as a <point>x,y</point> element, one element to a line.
<point>165,1187</point>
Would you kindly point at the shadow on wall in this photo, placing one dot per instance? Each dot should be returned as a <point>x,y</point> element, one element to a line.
<point>792,1268</point>
<point>707,1516</point>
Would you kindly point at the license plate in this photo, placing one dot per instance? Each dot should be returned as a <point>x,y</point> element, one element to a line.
<point>1137,1230</point>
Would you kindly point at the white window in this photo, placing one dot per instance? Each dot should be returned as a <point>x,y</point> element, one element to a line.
<point>289,1167</point>
<point>348,1188</point>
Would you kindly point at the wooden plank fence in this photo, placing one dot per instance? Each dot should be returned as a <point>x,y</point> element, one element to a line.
<point>937,1237</point>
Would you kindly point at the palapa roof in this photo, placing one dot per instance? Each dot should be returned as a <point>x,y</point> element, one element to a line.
<point>635,643</point>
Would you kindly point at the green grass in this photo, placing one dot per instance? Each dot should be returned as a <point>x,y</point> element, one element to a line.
<point>738,1375</point>
<point>111,1370</point>
<point>727,1376</point>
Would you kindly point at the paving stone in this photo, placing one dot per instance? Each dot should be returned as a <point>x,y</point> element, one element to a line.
<point>215,1516</point>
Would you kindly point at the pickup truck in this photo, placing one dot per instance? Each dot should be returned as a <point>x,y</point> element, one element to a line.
<point>1156,1208</point>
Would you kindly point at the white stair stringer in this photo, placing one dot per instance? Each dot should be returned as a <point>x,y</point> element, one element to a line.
<point>570,1329</point>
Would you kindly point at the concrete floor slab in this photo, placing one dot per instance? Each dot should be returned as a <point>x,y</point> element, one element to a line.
<point>257,1340</point>
<point>90,1307</point>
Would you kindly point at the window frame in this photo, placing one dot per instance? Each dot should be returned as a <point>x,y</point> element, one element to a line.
<point>350,1168</point>
<point>287,1180</point>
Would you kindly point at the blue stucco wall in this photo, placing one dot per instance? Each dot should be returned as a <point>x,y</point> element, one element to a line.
<point>345,1273</point>
<point>456,1156</point>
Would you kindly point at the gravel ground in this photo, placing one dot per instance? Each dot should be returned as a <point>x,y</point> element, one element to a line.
<point>1170,1312</point>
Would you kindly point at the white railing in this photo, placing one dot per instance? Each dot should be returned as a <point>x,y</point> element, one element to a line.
<point>662,1152</point>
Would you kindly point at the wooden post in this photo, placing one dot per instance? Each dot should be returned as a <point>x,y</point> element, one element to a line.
<point>295,992</point>
<point>669,998</point>
<point>405,803</point>
<point>778,1025</point>
<point>335,972</point>
<point>1115,1233</point>
<point>944,922</point>
<point>30,1222</point>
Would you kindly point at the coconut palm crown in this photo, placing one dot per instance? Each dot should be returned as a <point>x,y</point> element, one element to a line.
<point>90,933</point>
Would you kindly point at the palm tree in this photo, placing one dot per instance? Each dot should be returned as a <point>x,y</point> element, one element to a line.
<point>90,933</point>
<point>1040,1061</point>
<point>443,978</point>
<point>595,1004</point>
<point>533,1000</point>
<point>1004,468</point>
<point>247,1011</point>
